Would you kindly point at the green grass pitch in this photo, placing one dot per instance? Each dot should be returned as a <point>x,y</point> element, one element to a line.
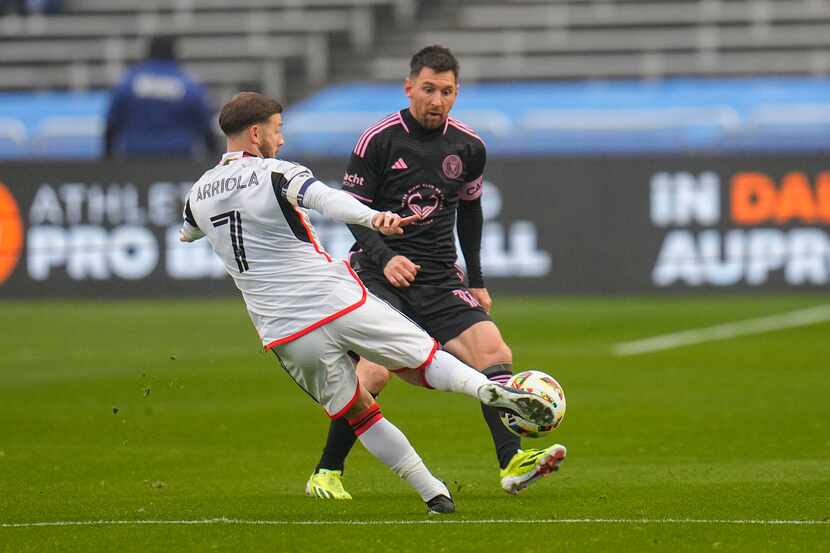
<point>168,411</point>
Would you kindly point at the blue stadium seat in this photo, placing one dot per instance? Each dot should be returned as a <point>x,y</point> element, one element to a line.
<point>69,137</point>
<point>13,138</point>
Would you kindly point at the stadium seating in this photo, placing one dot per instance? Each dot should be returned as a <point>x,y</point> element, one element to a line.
<point>627,38</point>
<point>56,124</point>
<point>280,46</point>
<point>292,48</point>
<point>13,138</point>
<point>617,116</point>
<point>292,42</point>
<point>73,136</point>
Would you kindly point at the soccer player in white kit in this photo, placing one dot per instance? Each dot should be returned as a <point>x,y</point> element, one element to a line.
<point>311,310</point>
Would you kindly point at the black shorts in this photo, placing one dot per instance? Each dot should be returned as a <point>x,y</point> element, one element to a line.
<point>444,309</point>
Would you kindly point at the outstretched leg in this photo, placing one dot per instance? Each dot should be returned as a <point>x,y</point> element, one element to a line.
<point>446,373</point>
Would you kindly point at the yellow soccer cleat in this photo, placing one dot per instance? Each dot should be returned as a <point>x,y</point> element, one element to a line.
<point>326,484</point>
<point>529,465</point>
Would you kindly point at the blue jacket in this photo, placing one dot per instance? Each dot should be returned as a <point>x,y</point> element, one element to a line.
<point>158,110</point>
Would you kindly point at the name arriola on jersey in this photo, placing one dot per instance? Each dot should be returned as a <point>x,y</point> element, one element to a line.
<point>228,184</point>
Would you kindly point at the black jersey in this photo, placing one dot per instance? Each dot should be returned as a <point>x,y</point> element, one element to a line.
<point>399,166</point>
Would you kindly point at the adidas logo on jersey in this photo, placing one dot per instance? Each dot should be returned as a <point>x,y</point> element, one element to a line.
<point>400,164</point>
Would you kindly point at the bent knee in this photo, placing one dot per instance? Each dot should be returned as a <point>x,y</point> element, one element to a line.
<point>498,353</point>
<point>373,376</point>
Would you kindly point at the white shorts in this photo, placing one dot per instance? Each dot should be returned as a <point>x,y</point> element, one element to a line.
<point>320,364</point>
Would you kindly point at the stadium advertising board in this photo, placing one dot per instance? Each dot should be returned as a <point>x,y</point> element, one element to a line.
<point>561,225</point>
<point>646,224</point>
<point>102,229</point>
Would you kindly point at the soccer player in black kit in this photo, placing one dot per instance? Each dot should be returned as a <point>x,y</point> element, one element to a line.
<point>422,161</point>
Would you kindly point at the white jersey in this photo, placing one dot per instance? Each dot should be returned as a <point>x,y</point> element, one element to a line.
<point>252,211</point>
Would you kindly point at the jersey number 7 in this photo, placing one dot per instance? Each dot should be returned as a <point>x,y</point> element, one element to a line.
<point>235,220</point>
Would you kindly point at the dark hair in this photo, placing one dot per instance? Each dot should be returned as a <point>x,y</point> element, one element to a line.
<point>246,109</point>
<point>161,48</point>
<point>437,58</point>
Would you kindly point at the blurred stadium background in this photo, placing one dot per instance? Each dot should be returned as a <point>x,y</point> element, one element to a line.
<point>681,142</point>
<point>551,76</point>
<point>642,154</point>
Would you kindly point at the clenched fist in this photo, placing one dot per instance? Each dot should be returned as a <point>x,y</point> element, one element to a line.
<point>400,271</point>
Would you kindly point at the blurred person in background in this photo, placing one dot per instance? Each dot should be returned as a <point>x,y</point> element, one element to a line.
<point>158,110</point>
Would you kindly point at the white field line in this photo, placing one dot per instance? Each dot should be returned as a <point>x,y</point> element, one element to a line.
<point>252,522</point>
<point>725,331</point>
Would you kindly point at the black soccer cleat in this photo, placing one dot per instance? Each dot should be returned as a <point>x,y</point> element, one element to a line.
<point>440,505</point>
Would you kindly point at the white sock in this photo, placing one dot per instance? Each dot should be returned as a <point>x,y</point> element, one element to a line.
<point>449,374</point>
<point>386,442</point>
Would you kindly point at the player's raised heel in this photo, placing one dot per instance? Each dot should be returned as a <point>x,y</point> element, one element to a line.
<point>440,505</point>
<point>531,407</point>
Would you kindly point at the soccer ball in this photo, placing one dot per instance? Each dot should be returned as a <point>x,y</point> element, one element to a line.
<point>541,384</point>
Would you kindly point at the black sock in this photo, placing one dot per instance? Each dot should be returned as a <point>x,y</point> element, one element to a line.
<point>507,443</point>
<point>339,443</point>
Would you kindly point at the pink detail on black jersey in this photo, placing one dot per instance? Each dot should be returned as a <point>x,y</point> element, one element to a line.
<point>371,132</point>
<point>423,211</point>
<point>464,128</point>
<point>472,189</point>
<point>400,164</point>
<point>362,150</point>
<point>452,166</point>
<point>501,378</point>
<point>372,128</point>
<point>466,297</point>
<point>455,122</point>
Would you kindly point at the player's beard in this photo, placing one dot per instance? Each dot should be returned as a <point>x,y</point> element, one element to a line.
<point>432,120</point>
<point>268,150</point>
